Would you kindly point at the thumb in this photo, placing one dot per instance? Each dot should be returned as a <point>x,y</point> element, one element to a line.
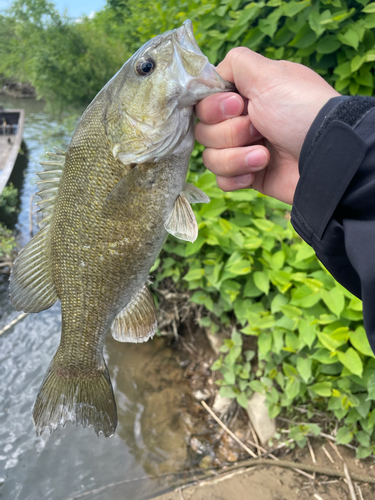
<point>246,69</point>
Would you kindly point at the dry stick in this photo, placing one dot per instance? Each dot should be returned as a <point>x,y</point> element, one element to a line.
<point>328,454</point>
<point>346,471</point>
<point>255,437</point>
<point>350,482</point>
<point>13,322</point>
<point>180,493</point>
<point>359,491</point>
<point>313,459</point>
<point>251,453</point>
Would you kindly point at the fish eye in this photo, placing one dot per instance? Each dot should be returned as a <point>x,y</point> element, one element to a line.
<point>145,66</point>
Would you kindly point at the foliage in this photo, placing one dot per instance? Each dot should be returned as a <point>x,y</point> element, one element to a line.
<point>8,205</point>
<point>7,242</point>
<point>67,63</point>
<point>334,37</point>
<point>249,267</point>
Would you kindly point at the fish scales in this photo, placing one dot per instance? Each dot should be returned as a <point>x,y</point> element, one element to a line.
<point>115,195</point>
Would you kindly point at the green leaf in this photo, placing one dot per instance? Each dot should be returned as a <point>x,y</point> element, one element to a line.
<point>351,360</point>
<point>227,392</point>
<point>261,281</point>
<point>263,224</point>
<point>370,8</point>
<point>292,388</point>
<point>216,365</point>
<point>307,332</point>
<point>371,389</point>
<point>194,274</point>
<point>264,343</point>
<point>328,44</point>
<point>328,342</point>
<point>195,246</point>
<point>322,389</point>
<point>356,63</point>
<point>363,452</point>
<point>292,8</point>
<point>334,300</point>
<point>242,400</point>
<point>229,378</point>
<point>344,435</point>
<point>257,386</point>
<point>350,38</point>
<point>304,368</point>
<point>289,370</point>
<point>359,340</point>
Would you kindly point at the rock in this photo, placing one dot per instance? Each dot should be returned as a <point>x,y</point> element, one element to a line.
<point>215,340</point>
<point>221,404</point>
<point>200,445</point>
<point>206,462</point>
<point>264,426</point>
<point>203,394</point>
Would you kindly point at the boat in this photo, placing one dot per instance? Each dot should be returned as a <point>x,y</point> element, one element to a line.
<point>12,122</point>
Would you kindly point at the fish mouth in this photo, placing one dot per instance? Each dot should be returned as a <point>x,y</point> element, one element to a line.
<point>197,75</point>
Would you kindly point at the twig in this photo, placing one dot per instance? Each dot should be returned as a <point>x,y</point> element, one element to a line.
<point>247,449</point>
<point>359,491</point>
<point>328,454</point>
<point>332,445</point>
<point>255,438</point>
<point>250,452</point>
<point>180,494</point>
<point>313,459</point>
<point>318,497</point>
<point>350,482</point>
<point>13,322</point>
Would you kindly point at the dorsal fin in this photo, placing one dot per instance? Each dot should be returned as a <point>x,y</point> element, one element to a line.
<point>49,184</point>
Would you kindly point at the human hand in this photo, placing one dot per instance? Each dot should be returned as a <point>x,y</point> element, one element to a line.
<point>254,138</point>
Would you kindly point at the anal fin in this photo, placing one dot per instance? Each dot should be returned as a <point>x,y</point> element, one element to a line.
<point>137,321</point>
<point>31,286</point>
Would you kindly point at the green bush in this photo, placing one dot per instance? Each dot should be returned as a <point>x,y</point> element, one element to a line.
<point>334,37</point>
<point>249,264</point>
<point>8,205</point>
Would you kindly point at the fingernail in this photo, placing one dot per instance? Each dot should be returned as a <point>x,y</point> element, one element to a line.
<point>231,106</point>
<point>256,159</point>
<point>254,132</point>
<point>243,180</point>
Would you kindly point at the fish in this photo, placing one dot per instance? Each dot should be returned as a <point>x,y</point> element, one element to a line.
<point>107,206</point>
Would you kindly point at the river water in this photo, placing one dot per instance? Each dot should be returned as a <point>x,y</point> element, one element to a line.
<point>73,462</point>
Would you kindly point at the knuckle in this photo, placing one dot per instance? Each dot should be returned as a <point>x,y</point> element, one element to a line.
<point>230,133</point>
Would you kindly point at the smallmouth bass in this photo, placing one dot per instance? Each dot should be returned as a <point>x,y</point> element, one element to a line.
<point>108,204</point>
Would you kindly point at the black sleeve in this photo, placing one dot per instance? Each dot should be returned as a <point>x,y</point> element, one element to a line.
<point>334,203</point>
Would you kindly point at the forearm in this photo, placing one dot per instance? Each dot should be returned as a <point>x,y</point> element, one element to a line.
<point>334,203</point>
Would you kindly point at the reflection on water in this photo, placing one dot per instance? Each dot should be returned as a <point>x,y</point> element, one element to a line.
<point>147,381</point>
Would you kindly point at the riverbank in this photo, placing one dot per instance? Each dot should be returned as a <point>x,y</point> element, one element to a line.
<point>10,87</point>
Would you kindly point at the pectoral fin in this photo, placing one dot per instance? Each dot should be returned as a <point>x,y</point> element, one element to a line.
<point>182,222</point>
<point>194,194</point>
<point>137,321</point>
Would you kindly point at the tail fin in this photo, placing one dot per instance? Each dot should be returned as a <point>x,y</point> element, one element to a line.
<point>81,397</point>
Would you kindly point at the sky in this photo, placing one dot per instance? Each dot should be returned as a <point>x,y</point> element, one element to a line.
<point>75,7</point>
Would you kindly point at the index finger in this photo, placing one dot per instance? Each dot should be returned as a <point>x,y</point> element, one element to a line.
<point>219,107</point>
